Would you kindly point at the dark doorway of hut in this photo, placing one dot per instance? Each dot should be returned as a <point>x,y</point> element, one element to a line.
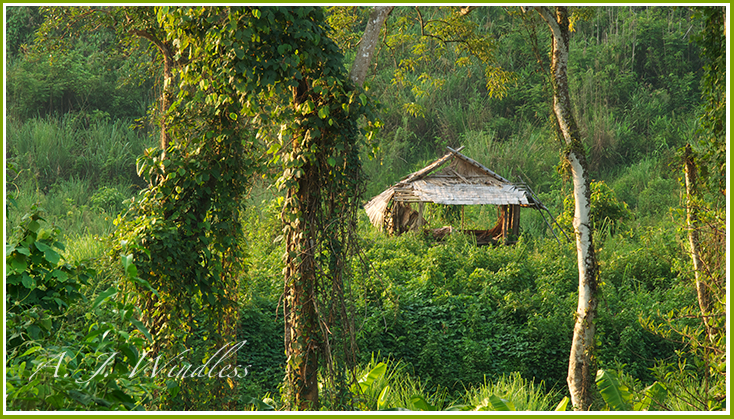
<point>454,179</point>
<point>506,230</point>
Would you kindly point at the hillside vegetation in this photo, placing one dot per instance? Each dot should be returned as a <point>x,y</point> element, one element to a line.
<point>437,324</point>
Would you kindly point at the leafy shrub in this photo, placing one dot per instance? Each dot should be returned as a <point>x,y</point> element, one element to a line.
<point>659,196</point>
<point>606,211</point>
<point>262,328</point>
<point>619,327</point>
<point>39,288</point>
<point>108,199</point>
<point>62,353</point>
<point>85,77</point>
<point>461,316</point>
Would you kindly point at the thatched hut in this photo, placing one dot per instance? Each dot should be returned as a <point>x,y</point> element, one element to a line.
<point>454,179</point>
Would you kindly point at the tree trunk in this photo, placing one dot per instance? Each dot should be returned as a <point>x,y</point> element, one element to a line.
<point>579,369</point>
<point>704,297</point>
<point>301,317</point>
<point>368,43</point>
<point>302,342</point>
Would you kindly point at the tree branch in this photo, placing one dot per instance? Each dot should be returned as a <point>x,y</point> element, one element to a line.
<point>367,44</point>
<point>467,9</point>
<point>423,26</point>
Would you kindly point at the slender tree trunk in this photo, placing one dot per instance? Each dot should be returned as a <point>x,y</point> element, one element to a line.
<point>704,297</point>
<point>166,98</point>
<point>167,93</point>
<point>368,43</point>
<point>580,362</point>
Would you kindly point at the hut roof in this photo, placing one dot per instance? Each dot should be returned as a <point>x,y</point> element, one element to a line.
<point>454,179</point>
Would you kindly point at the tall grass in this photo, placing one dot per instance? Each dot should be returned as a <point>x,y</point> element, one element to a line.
<point>524,394</point>
<point>70,205</point>
<point>80,247</point>
<point>649,188</point>
<point>78,168</point>
<point>44,151</point>
<point>530,155</point>
<point>395,388</point>
<point>40,150</point>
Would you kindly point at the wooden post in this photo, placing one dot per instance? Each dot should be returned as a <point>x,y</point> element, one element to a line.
<point>515,223</point>
<point>505,222</point>
<point>421,206</point>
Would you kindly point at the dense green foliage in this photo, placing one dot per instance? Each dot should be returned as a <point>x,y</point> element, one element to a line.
<point>88,81</point>
<point>37,286</point>
<point>437,324</point>
<point>453,312</point>
<point>713,130</point>
<point>65,351</point>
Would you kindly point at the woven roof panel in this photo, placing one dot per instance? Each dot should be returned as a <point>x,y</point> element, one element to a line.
<point>468,194</point>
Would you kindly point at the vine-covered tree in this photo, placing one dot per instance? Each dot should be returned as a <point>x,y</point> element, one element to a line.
<point>713,87</point>
<point>274,71</point>
<point>324,182</point>
<point>246,78</point>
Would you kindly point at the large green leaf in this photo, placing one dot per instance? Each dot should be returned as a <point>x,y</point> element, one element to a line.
<point>615,394</point>
<point>382,400</point>
<point>501,404</point>
<point>18,264</point>
<point>52,256</point>
<point>137,323</point>
<point>655,395</point>
<point>104,296</point>
<point>374,375</point>
<point>562,405</point>
<point>48,252</point>
<point>420,403</point>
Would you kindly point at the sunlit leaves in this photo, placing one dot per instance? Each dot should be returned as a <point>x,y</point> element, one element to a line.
<point>499,81</point>
<point>413,109</point>
<point>440,39</point>
<point>343,20</point>
<point>580,14</point>
<point>35,274</point>
<point>324,111</point>
<point>713,85</point>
